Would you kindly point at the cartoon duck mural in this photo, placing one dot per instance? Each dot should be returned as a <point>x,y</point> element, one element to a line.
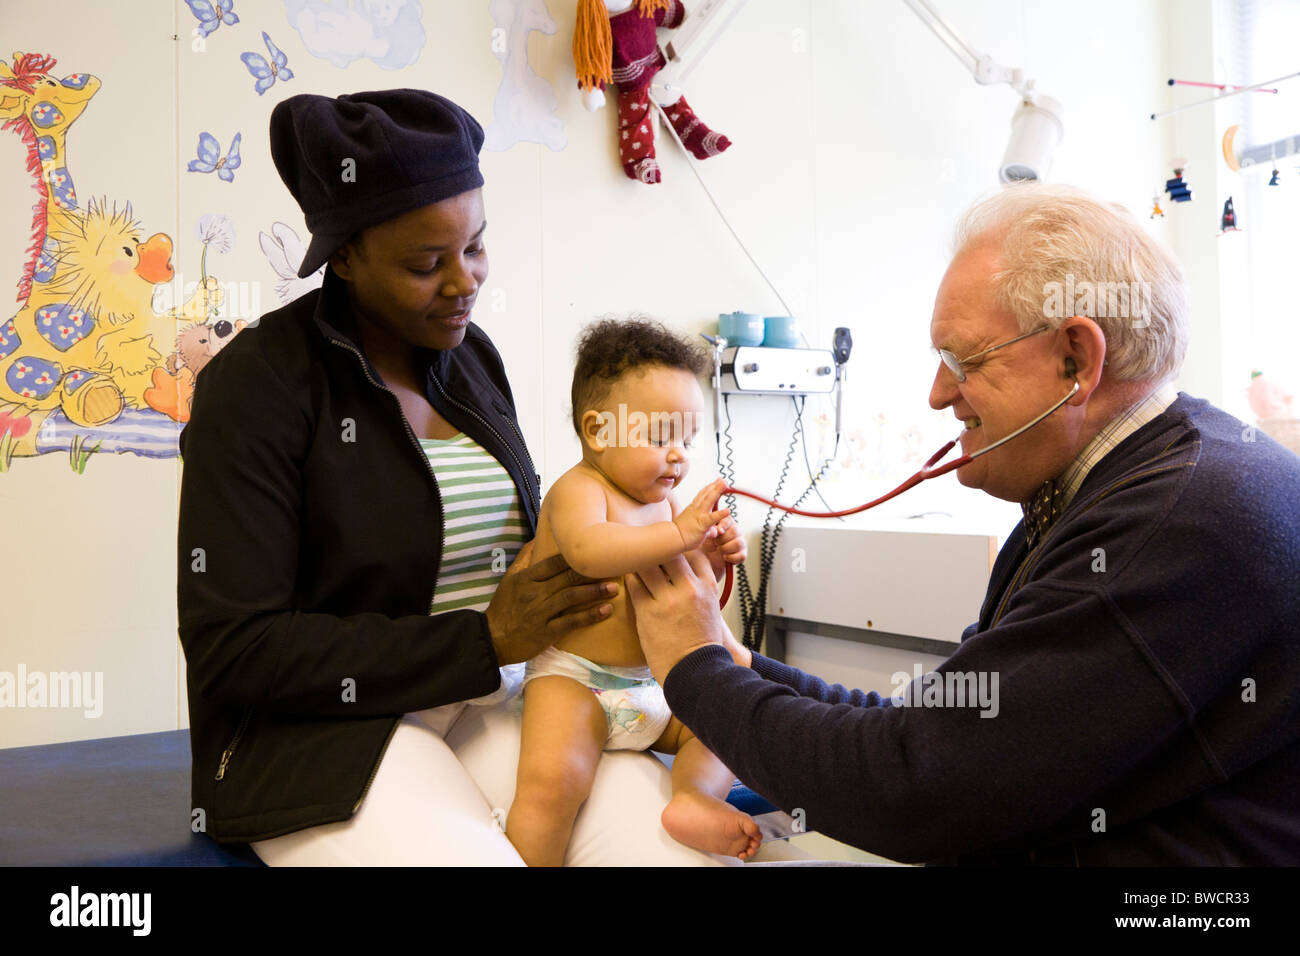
<point>85,342</point>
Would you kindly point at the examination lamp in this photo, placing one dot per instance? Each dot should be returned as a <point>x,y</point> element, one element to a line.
<point>1036,128</point>
<point>1036,125</point>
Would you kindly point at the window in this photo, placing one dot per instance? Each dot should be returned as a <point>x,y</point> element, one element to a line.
<point>1264,47</point>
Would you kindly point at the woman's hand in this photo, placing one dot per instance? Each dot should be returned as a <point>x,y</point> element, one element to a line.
<point>536,605</point>
<point>677,612</point>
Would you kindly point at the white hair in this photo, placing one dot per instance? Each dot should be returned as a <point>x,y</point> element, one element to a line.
<point>1057,240</point>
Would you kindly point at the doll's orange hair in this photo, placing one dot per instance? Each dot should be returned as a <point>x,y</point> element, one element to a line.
<point>593,44</point>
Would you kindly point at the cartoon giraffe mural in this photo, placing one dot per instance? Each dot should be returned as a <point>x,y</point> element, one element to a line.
<point>40,109</point>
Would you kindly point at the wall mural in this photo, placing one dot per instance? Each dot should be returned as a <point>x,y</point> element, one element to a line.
<point>83,361</point>
<point>524,107</point>
<point>101,350</point>
<point>387,32</point>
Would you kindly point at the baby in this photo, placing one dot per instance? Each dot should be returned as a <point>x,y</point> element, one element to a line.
<point>636,407</point>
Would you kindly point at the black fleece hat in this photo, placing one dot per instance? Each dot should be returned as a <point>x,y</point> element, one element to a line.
<point>407,149</point>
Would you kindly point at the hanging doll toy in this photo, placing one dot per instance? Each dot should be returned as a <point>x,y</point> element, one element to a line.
<point>614,42</point>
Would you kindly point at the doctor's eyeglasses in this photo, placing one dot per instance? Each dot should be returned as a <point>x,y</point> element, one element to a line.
<point>957,366</point>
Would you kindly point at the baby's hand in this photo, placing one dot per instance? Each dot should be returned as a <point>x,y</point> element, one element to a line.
<point>728,547</point>
<point>698,522</point>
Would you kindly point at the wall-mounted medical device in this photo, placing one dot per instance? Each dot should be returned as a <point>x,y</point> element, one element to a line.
<point>763,370</point>
<point>760,370</point>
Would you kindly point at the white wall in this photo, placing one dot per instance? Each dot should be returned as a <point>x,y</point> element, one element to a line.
<point>858,140</point>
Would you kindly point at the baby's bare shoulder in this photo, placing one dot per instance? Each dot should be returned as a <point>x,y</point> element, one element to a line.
<point>576,480</point>
<point>576,488</point>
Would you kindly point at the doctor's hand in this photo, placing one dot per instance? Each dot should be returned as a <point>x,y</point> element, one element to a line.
<point>677,612</point>
<point>537,604</point>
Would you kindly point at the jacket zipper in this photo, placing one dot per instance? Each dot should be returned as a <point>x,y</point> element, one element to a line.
<point>226,754</point>
<point>371,779</point>
<point>414,441</point>
<point>524,445</point>
<point>505,444</point>
<point>428,467</point>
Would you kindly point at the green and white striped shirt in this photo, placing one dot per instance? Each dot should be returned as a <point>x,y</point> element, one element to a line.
<point>483,523</point>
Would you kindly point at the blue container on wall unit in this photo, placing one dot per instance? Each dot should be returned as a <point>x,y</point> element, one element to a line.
<point>781,332</point>
<point>741,328</point>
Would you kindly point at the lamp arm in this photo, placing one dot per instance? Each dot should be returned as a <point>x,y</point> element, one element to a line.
<point>707,21</point>
<point>983,67</point>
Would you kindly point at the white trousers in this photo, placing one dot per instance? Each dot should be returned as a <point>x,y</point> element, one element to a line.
<point>443,802</point>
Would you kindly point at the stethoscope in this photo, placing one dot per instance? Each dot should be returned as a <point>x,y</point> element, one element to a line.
<point>927,471</point>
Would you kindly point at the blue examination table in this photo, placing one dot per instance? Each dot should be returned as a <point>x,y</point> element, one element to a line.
<point>124,801</point>
<point>116,801</point>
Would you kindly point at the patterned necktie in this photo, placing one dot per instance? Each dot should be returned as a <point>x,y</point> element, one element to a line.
<point>1041,511</point>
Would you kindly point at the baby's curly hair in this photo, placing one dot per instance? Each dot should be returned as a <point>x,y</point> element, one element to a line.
<point>610,348</point>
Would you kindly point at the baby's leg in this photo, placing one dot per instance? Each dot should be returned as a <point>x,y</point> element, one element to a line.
<point>564,731</point>
<point>698,814</point>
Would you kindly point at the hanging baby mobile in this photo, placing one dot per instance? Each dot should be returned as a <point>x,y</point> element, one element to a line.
<point>1237,161</point>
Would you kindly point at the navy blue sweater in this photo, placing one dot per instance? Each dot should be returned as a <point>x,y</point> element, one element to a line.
<point>1147,713</point>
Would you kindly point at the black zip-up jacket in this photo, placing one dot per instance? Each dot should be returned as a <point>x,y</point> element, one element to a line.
<point>309,542</point>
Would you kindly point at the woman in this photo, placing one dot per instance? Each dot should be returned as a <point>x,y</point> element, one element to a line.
<point>353,454</point>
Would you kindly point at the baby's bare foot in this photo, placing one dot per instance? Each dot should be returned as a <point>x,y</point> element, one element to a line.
<point>709,824</point>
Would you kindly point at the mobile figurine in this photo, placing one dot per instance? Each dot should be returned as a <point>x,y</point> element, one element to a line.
<point>1155,207</point>
<point>1177,187</point>
<point>1229,220</point>
<point>1273,181</point>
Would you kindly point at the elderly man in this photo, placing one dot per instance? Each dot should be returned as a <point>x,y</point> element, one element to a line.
<point>1143,620</point>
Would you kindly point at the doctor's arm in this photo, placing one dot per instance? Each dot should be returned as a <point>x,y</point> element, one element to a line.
<point>918,783</point>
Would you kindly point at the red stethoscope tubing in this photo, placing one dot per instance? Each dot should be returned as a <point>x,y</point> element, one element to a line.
<point>926,472</point>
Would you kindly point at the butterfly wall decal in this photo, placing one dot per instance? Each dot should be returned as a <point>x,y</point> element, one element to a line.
<point>210,158</point>
<point>265,73</point>
<point>211,15</point>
